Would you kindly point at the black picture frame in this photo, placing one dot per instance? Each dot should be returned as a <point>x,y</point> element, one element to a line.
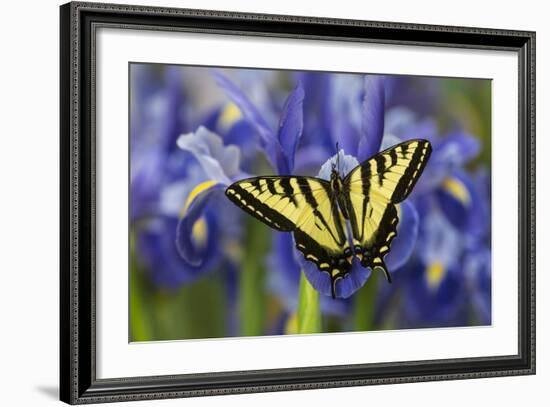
<point>78,382</point>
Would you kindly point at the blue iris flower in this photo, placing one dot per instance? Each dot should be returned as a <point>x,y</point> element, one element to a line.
<point>170,166</point>
<point>450,266</point>
<point>282,146</point>
<point>221,163</point>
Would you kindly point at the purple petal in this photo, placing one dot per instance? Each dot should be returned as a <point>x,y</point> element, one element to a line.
<point>462,204</point>
<point>373,117</point>
<point>246,107</point>
<point>344,163</point>
<point>449,154</point>
<point>218,162</point>
<point>353,281</point>
<point>189,249</point>
<point>403,244</point>
<point>291,124</point>
<point>457,148</point>
<point>284,276</point>
<point>318,279</point>
<point>477,270</point>
<point>347,135</point>
<point>345,287</point>
<point>157,249</point>
<point>309,159</point>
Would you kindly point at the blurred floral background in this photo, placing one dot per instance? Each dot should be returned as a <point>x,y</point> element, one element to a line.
<point>202,268</point>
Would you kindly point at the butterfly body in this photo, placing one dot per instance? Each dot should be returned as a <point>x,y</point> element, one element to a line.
<point>339,192</point>
<point>345,217</point>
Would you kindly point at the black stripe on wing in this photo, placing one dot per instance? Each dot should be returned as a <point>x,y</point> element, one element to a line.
<point>414,170</point>
<point>372,255</point>
<point>337,266</point>
<point>265,213</point>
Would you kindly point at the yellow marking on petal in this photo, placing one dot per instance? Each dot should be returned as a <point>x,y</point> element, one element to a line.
<point>233,250</point>
<point>229,116</point>
<point>195,192</point>
<point>434,274</point>
<point>200,231</point>
<point>457,189</point>
<point>291,326</point>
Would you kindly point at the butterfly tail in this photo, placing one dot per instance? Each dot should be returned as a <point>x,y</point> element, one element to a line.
<point>377,264</point>
<point>387,274</point>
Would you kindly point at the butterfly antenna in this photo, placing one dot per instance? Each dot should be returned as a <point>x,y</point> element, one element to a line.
<point>337,158</point>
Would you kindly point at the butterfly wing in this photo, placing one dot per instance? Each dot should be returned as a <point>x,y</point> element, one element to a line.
<point>303,205</point>
<point>372,191</point>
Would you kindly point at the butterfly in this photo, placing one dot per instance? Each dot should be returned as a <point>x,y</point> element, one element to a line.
<point>346,217</point>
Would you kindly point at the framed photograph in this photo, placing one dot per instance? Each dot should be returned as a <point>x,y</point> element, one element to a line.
<point>255,203</point>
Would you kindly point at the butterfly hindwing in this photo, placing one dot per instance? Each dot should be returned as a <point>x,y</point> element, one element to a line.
<point>321,236</point>
<point>373,190</point>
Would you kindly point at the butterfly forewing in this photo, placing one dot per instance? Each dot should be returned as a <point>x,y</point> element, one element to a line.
<point>392,173</point>
<point>275,201</point>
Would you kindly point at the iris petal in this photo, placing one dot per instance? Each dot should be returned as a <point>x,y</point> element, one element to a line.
<point>373,117</point>
<point>353,281</point>
<point>462,204</point>
<point>201,204</point>
<point>344,287</point>
<point>319,280</point>
<point>403,244</point>
<point>247,108</point>
<point>157,248</point>
<point>291,125</point>
<point>284,277</point>
<point>218,162</point>
<point>348,136</point>
<point>309,159</point>
<point>344,163</point>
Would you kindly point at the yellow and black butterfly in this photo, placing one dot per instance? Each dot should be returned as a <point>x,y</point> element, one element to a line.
<point>317,211</point>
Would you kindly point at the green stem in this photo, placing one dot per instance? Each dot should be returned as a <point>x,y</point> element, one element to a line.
<point>252,307</point>
<point>309,310</point>
<point>364,305</point>
<point>141,324</point>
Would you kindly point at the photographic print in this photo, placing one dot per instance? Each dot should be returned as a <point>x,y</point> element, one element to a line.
<point>231,198</point>
<point>277,202</point>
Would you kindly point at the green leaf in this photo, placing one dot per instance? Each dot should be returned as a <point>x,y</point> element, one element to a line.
<point>309,310</point>
<point>192,311</point>
<point>252,299</point>
<point>196,310</point>
<point>141,324</point>
<point>364,305</point>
